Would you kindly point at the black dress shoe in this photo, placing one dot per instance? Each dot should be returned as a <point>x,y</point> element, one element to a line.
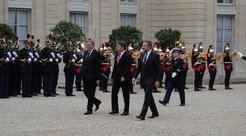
<point>106,91</point>
<point>88,113</point>
<point>133,92</point>
<point>153,116</point>
<point>124,114</point>
<point>228,88</point>
<point>202,87</point>
<point>113,112</point>
<point>186,88</point>
<point>156,91</point>
<point>182,104</point>
<point>97,106</point>
<point>162,102</point>
<point>56,94</point>
<point>197,89</point>
<point>70,95</point>
<point>52,95</point>
<point>140,117</point>
<point>211,89</point>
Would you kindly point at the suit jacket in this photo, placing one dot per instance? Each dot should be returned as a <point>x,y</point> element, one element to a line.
<point>92,65</point>
<point>122,69</point>
<point>150,70</point>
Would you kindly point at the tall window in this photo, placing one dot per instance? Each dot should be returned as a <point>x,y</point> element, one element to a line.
<point>127,0</point>
<point>225,1</point>
<point>225,32</point>
<point>128,19</point>
<point>80,18</point>
<point>18,19</point>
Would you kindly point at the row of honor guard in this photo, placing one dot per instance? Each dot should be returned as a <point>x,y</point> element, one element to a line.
<point>26,71</point>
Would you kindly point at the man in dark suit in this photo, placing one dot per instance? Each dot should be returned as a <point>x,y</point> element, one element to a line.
<point>91,75</point>
<point>149,66</point>
<point>120,75</point>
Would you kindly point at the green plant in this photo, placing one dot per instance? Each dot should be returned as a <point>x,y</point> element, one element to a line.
<point>128,34</point>
<point>7,31</point>
<point>64,29</point>
<point>168,37</point>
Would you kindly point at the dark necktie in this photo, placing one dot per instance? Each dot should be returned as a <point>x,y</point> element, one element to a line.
<point>145,58</point>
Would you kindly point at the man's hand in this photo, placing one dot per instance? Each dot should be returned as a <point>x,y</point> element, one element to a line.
<point>98,82</point>
<point>122,79</point>
<point>157,84</point>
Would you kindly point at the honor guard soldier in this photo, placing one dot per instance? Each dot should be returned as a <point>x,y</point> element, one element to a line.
<point>37,69</point>
<point>3,90</point>
<point>228,66</point>
<point>47,56</point>
<point>57,57</point>
<point>196,63</point>
<point>105,68</point>
<point>133,69</point>
<point>14,69</point>
<point>167,67</point>
<point>78,68</point>
<point>212,69</point>
<point>69,58</point>
<point>185,56</point>
<point>202,56</point>
<point>26,59</point>
<point>175,80</point>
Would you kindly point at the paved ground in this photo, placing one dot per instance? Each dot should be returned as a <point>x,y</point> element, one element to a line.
<point>218,113</point>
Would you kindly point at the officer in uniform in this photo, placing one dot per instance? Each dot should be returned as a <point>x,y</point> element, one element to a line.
<point>228,67</point>
<point>212,69</point>
<point>47,56</point>
<point>26,59</point>
<point>3,90</point>
<point>14,72</point>
<point>57,58</point>
<point>196,63</point>
<point>37,69</point>
<point>175,80</point>
<point>69,58</point>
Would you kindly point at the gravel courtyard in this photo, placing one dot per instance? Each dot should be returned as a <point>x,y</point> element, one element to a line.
<point>216,113</point>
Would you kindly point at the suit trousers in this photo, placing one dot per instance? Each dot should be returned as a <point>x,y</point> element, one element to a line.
<point>114,96</point>
<point>89,91</point>
<point>148,101</point>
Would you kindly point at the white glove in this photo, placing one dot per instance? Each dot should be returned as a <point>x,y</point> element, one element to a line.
<point>174,74</point>
<point>31,54</point>
<point>35,59</point>
<point>59,56</point>
<point>29,59</point>
<point>73,60</point>
<point>57,60</point>
<point>50,60</point>
<point>9,55</point>
<point>7,59</point>
<point>53,54</point>
<point>13,59</point>
<point>16,55</point>
<point>37,55</point>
